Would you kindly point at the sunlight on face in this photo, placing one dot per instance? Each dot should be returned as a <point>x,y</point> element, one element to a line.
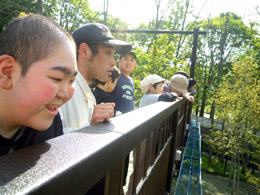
<point>47,85</point>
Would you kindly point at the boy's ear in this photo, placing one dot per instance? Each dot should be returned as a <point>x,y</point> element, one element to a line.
<point>7,65</point>
<point>151,87</point>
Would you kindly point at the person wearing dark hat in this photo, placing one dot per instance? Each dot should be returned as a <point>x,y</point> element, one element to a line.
<point>95,60</point>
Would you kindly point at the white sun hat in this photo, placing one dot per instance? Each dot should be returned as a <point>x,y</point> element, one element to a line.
<point>150,79</point>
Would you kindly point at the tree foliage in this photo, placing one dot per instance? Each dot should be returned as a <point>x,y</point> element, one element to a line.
<point>238,107</point>
<point>12,8</point>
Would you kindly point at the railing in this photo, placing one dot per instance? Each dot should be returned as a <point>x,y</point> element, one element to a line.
<point>75,162</point>
<point>189,180</point>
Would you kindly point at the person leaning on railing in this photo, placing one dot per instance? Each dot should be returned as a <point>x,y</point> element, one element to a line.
<point>152,86</point>
<point>167,86</point>
<point>37,70</point>
<point>95,60</point>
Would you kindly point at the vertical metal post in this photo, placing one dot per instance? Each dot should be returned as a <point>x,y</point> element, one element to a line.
<point>194,52</point>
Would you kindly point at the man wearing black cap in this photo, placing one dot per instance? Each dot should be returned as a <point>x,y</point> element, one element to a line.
<point>95,60</point>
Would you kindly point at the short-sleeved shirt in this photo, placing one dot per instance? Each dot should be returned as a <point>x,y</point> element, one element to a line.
<point>26,136</point>
<point>124,94</point>
<point>148,99</point>
<point>102,96</point>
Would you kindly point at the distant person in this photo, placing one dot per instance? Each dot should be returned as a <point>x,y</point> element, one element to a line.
<point>166,86</point>
<point>101,89</point>
<point>124,90</point>
<point>152,87</point>
<point>192,85</point>
<point>37,70</point>
<point>183,73</point>
<point>95,60</point>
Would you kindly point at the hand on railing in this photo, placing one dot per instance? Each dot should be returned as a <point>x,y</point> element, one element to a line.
<point>102,112</point>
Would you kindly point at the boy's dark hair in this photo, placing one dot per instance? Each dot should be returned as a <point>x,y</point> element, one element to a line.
<point>155,84</point>
<point>183,73</point>
<point>115,74</point>
<point>192,82</point>
<point>31,38</point>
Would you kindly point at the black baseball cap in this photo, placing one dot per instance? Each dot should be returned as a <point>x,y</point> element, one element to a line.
<point>132,53</point>
<point>97,33</point>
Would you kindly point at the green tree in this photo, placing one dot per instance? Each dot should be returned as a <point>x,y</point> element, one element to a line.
<point>10,9</point>
<point>227,36</point>
<point>238,107</point>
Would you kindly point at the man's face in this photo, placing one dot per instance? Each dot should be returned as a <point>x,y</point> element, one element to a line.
<point>47,85</point>
<point>127,64</point>
<point>101,65</point>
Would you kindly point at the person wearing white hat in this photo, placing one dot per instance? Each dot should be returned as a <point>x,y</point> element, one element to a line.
<point>168,88</point>
<point>179,84</point>
<point>152,87</point>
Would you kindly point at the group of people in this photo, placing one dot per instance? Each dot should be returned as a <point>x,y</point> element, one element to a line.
<point>42,66</point>
<point>157,88</point>
<point>45,75</point>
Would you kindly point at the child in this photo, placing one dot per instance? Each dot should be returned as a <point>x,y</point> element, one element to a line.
<point>37,70</point>
<point>192,85</point>
<point>152,87</point>
<point>166,86</point>
<point>124,90</point>
<point>101,88</point>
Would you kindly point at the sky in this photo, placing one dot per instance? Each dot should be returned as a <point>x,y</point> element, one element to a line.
<point>136,11</point>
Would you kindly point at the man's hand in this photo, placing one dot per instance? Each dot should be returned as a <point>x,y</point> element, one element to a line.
<point>102,112</point>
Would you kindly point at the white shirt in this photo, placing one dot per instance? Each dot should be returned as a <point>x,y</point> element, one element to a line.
<point>78,111</point>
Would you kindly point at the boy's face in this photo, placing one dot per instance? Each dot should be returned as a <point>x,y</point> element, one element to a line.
<point>111,85</point>
<point>157,90</point>
<point>127,64</point>
<point>101,65</point>
<point>48,84</point>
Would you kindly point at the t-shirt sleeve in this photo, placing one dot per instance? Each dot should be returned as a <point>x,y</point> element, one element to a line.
<point>167,97</point>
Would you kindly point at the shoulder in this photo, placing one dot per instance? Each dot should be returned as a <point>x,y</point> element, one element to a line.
<point>148,99</point>
<point>167,97</point>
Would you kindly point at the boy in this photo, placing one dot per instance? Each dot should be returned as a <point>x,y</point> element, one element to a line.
<point>37,70</point>
<point>124,90</point>
<point>101,88</point>
<point>166,86</point>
